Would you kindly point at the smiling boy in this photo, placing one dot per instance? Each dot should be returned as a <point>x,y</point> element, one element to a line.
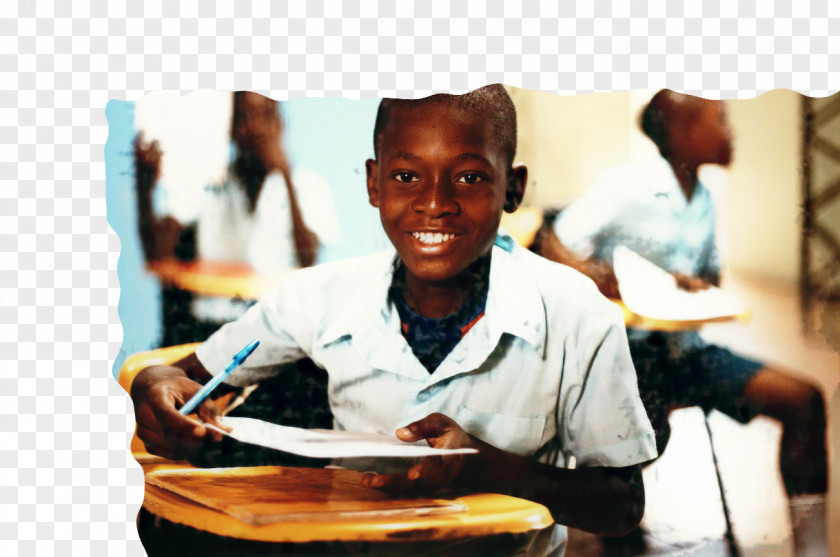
<point>457,335</point>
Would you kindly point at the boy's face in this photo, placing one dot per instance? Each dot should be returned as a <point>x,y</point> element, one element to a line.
<point>701,134</point>
<point>259,123</point>
<point>441,182</point>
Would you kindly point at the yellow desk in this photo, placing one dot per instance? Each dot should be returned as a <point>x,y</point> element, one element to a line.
<point>230,280</point>
<point>480,515</point>
<point>665,325</point>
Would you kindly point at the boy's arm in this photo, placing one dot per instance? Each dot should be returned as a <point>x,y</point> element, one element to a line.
<point>158,237</point>
<point>710,270</point>
<point>602,273</point>
<point>691,283</point>
<point>158,392</point>
<point>280,322</point>
<point>602,500</point>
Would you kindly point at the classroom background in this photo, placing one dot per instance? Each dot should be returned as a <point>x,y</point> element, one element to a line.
<point>786,268</point>
<point>785,272</point>
<point>331,136</point>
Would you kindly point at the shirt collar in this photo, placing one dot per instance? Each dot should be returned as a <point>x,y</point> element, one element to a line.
<point>514,302</point>
<point>514,306</point>
<point>662,182</point>
<point>373,323</point>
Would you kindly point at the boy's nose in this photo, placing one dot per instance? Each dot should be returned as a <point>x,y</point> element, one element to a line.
<point>436,199</point>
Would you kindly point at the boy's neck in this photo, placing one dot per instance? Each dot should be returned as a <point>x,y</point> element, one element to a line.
<point>440,299</point>
<point>686,175</point>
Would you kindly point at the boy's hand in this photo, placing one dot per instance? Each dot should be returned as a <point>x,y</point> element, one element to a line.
<point>604,278</point>
<point>690,283</point>
<point>157,393</point>
<point>432,473</point>
<point>602,274</point>
<point>147,156</point>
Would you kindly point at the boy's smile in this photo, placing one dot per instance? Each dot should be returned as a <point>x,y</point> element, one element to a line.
<point>441,181</point>
<point>433,238</point>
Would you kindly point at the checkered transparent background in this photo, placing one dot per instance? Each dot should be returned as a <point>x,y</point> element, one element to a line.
<point>67,482</point>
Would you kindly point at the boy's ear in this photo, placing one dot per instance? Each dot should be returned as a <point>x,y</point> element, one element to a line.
<point>515,191</point>
<point>372,170</point>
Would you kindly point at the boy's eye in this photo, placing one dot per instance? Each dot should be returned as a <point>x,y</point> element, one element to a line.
<point>405,177</point>
<point>470,178</point>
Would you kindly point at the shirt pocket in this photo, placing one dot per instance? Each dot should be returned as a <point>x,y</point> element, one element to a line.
<point>516,434</point>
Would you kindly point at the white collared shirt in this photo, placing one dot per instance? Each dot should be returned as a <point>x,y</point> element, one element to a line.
<point>645,209</point>
<point>228,231</point>
<point>548,362</point>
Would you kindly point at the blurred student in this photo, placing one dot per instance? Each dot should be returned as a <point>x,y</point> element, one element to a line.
<point>666,215</point>
<point>455,335</point>
<point>262,214</point>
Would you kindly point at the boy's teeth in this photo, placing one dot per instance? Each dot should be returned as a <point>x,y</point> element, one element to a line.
<point>432,238</point>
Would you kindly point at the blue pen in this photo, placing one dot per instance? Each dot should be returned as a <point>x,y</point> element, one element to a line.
<point>202,393</point>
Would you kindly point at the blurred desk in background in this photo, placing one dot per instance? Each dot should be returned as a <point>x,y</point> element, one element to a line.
<point>198,297</point>
<point>211,278</point>
<point>668,326</point>
<point>523,224</point>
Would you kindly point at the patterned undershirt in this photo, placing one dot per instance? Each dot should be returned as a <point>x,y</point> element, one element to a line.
<point>432,339</point>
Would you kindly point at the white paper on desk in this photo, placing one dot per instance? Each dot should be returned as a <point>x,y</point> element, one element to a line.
<point>650,291</point>
<point>326,443</point>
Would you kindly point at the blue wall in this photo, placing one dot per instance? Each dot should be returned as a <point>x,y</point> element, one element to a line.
<point>139,306</point>
<point>332,136</point>
<point>335,136</point>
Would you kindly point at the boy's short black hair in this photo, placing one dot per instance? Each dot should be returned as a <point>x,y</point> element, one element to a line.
<point>494,98</point>
<point>653,121</point>
<point>664,106</point>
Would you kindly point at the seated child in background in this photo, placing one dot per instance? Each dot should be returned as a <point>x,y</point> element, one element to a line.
<point>263,214</point>
<point>667,216</point>
<point>457,335</point>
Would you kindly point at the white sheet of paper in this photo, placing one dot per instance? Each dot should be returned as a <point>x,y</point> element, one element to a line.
<point>326,443</point>
<point>648,290</point>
